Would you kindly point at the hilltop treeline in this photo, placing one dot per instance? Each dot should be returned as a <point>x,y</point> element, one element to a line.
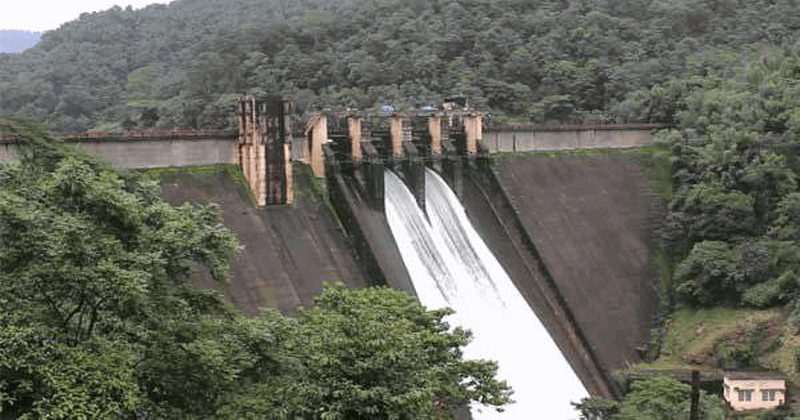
<point>181,65</point>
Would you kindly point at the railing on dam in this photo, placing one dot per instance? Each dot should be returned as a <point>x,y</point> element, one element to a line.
<point>526,138</point>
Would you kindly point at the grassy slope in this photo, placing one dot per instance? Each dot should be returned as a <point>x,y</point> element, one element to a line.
<point>692,333</point>
<point>173,173</point>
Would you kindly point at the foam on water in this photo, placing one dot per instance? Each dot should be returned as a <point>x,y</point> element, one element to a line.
<point>451,266</point>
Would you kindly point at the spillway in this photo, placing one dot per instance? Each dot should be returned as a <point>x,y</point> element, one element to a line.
<point>451,266</point>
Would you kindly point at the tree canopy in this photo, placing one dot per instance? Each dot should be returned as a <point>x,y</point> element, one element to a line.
<point>98,317</point>
<point>732,222</point>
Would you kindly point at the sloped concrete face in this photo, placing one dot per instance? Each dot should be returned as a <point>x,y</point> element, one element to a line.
<point>591,222</point>
<point>289,251</point>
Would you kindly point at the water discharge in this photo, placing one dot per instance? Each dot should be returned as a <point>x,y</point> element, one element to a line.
<point>451,266</point>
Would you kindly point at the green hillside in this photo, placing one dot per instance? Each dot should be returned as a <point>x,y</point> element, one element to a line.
<point>179,65</point>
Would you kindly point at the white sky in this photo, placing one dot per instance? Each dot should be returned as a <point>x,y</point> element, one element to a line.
<point>40,15</point>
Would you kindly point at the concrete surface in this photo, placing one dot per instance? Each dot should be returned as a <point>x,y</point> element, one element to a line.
<point>289,251</point>
<point>153,153</point>
<point>493,216</point>
<point>369,233</point>
<point>552,140</point>
<point>591,220</point>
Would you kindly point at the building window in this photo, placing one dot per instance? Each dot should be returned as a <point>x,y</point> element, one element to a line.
<point>745,395</point>
<point>768,395</point>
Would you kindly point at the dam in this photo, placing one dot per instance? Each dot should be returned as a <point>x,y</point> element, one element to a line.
<point>562,242</point>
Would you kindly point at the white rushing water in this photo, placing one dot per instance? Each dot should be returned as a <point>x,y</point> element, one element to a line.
<point>451,266</point>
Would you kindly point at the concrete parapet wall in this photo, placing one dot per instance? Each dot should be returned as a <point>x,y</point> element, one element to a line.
<point>151,152</point>
<point>526,139</point>
<point>163,153</point>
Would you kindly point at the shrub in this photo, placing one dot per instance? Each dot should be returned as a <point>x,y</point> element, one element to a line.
<point>709,275</point>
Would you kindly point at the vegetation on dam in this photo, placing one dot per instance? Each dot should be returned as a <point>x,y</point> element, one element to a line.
<point>98,318</point>
<point>181,65</point>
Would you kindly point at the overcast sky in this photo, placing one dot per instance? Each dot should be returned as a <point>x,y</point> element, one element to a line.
<point>41,15</point>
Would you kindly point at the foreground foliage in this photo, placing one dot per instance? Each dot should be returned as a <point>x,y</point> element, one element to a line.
<point>98,318</point>
<point>655,398</point>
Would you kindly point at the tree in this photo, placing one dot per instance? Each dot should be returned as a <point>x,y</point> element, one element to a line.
<point>94,265</point>
<point>709,276</point>
<point>543,60</point>
<point>376,353</point>
<point>664,398</point>
<point>787,223</point>
<point>714,212</point>
<point>653,398</point>
<point>597,408</point>
<point>768,179</point>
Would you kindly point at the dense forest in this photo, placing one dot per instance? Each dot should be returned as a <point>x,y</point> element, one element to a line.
<point>551,60</point>
<point>17,41</point>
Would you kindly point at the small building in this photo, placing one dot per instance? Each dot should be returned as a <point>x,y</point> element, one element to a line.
<point>754,390</point>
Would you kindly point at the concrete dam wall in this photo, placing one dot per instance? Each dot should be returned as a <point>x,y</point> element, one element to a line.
<point>597,306</point>
<point>162,149</point>
<point>163,153</point>
<point>152,151</point>
<point>526,138</point>
<point>590,221</point>
<point>496,220</point>
<point>288,251</point>
<point>573,233</point>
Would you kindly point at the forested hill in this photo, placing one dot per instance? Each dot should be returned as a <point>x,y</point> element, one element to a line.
<point>17,41</point>
<point>181,65</point>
